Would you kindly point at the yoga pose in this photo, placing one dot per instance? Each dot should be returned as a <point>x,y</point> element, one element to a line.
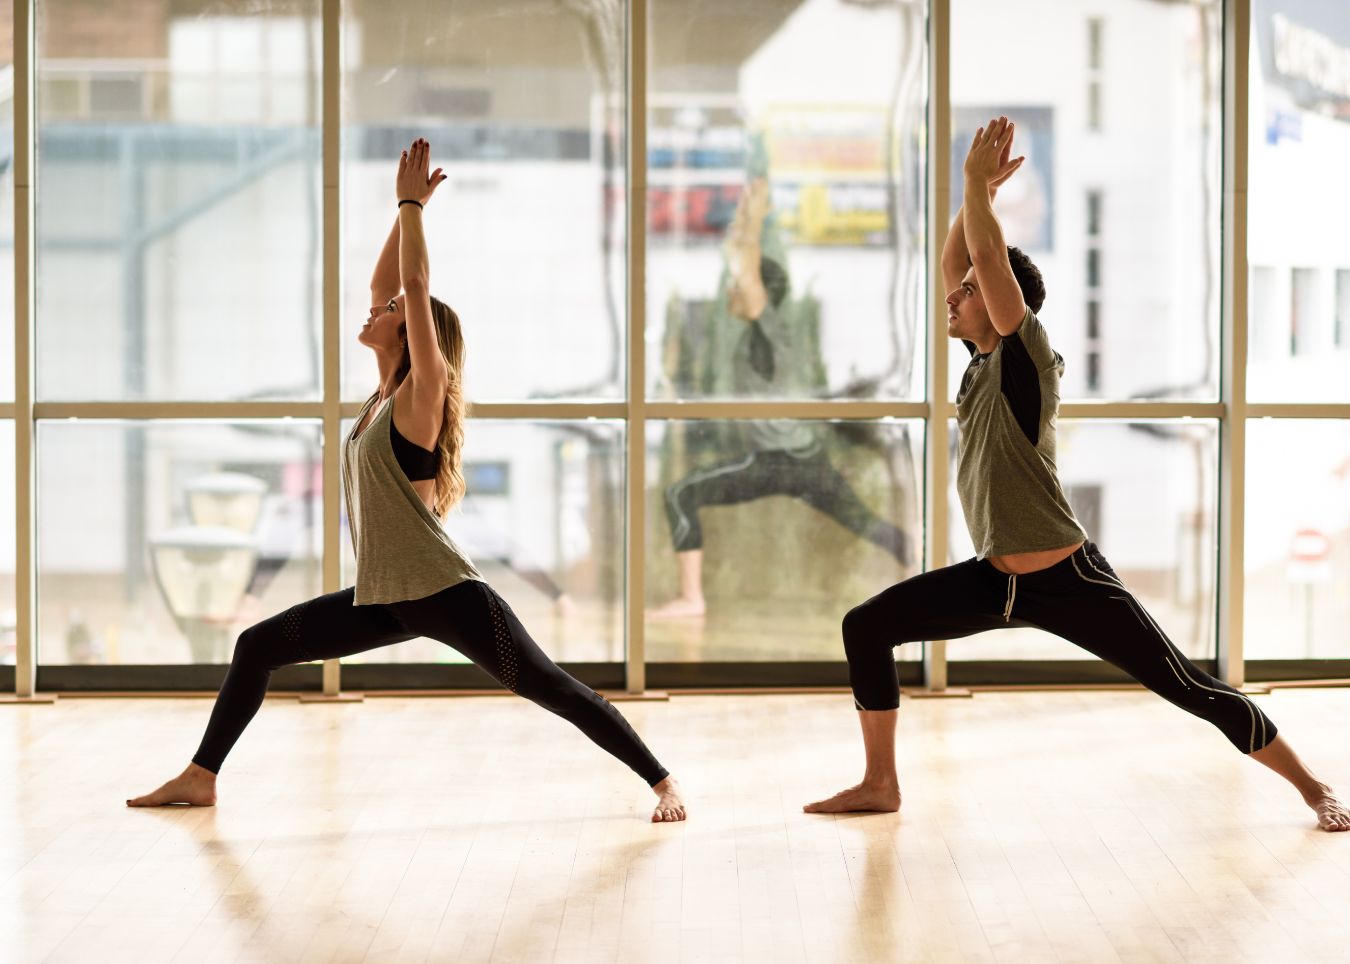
<point>785,457</point>
<point>1035,565</point>
<point>401,472</point>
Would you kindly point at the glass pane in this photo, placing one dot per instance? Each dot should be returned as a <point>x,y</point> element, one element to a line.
<point>1299,303</point>
<point>179,247</point>
<point>785,253</point>
<point>1119,200</point>
<point>777,542</point>
<point>543,522</point>
<point>7,210</point>
<point>194,531</point>
<point>8,615</point>
<point>1297,539</point>
<point>523,104</point>
<point>1146,493</point>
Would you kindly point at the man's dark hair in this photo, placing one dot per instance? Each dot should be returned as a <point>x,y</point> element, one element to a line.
<point>775,280</point>
<point>1028,279</point>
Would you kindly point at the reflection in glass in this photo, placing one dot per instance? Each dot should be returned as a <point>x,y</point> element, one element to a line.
<point>786,173</point>
<point>1297,539</point>
<point>195,531</point>
<point>8,614</point>
<point>179,184</point>
<point>1146,494</point>
<point>774,544</point>
<point>1299,252</point>
<point>543,522</point>
<point>1134,229</point>
<point>523,104</point>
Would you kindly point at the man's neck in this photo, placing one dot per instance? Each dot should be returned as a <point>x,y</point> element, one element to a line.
<point>987,343</point>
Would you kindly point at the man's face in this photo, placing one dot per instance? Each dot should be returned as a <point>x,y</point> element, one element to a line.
<point>967,317</point>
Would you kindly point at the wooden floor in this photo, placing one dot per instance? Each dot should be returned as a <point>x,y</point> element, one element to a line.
<point>1047,826</point>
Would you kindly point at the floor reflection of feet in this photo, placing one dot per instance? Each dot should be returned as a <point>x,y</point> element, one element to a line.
<point>681,607</point>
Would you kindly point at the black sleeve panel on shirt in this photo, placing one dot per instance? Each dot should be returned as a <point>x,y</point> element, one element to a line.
<point>1021,385</point>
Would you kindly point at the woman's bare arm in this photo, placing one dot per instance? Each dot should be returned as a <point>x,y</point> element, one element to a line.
<point>428,372</point>
<point>385,281</point>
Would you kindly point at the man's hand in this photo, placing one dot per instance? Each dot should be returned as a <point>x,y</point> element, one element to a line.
<point>1006,168</point>
<point>988,161</point>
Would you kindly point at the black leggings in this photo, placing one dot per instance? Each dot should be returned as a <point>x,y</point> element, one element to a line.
<point>1080,599</point>
<point>469,616</point>
<point>810,477</point>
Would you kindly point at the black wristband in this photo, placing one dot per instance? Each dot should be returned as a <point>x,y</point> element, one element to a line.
<point>410,201</point>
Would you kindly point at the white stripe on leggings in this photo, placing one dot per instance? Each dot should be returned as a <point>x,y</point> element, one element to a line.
<point>672,494</point>
<point>1132,602</point>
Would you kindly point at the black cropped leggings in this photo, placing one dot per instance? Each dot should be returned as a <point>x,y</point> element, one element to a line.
<point>810,477</point>
<point>1080,599</point>
<point>469,616</point>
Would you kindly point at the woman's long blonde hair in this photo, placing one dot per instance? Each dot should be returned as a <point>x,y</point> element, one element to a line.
<point>450,483</point>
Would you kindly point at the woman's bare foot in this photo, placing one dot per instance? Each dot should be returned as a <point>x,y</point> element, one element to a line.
<point>1333,816</point>
<point>864,798</point>
<point>194,787</point>
<point>681,607</point>
<point>669,802</point>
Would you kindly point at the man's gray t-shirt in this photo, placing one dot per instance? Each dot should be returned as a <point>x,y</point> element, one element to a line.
<point>1006,476</point>
<point>768,363</point>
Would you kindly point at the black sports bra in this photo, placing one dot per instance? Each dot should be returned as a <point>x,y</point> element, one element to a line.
<point>417,463</point>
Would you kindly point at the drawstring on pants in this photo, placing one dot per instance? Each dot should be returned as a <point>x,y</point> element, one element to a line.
<point>1012,595</point>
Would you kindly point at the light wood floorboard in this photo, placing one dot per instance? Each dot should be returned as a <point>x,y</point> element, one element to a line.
<point>1060,826</point>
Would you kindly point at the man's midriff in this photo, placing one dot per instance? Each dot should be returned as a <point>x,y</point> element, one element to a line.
<point>1022,563</point>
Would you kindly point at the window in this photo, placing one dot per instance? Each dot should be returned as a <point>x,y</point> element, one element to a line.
<point>786,539</point>
<point>786,175</point>
<point>1297,539</point>
<point>524,109</point>
<point>1146,493</point>
<point>1297,133</point>
<point>1095,74</point>
<point>1161,284</point>
<point>194,531</point>
<point>186,204</point>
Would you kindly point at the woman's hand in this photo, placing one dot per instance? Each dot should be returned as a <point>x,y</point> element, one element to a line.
<point>413,182</point>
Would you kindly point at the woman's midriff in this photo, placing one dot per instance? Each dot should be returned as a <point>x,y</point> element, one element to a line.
<point>1021,563</point>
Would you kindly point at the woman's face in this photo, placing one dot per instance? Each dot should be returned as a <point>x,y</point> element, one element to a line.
<point>381,330</point>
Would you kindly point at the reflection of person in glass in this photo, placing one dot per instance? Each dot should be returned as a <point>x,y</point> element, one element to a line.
<point>401,470</point>
<point>786,457</point>
<point>1035,566</point>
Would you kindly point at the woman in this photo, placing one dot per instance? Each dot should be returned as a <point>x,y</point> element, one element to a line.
<point>401,471</point>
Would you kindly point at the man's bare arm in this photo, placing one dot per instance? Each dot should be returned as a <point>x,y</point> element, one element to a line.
<point>983,233</point>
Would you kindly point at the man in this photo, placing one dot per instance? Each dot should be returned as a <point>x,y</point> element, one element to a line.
<point>1035,565</point>
<point>785,456</point>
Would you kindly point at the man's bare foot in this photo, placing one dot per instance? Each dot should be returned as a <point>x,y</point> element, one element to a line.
<point>669,802</point>
<point>194,787</point>
<point>1333,816</point>
<point>681,607</point>
<point>864,798</point>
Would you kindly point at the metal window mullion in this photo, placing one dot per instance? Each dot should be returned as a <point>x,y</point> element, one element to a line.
<point>1233,325</point>
<point>332,363</point>
<point>939,204</point>
<point>25,557</point>
<point>635,581</point>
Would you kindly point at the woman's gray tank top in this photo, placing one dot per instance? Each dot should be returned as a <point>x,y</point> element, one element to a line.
<point>401,550</point>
